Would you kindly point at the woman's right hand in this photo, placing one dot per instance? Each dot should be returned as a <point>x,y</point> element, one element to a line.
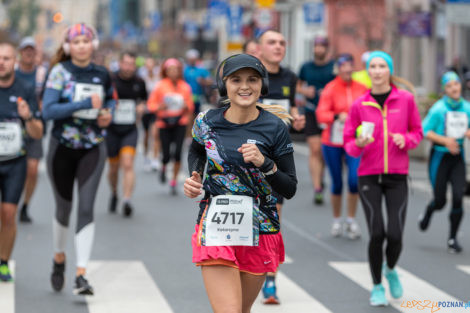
<point>96,101</point>
<point>452,145</point>
<point>193,185</point>
<point>361,142</point>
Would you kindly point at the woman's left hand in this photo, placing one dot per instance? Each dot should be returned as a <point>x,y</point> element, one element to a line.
<point>104,118</point>
<point>399,140</point>
<point>251,154</point>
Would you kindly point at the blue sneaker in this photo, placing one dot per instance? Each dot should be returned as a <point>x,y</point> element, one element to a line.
<point>377,296</point>
<point>396,290</point>
<point>5,274</point>
<point>269,292</point>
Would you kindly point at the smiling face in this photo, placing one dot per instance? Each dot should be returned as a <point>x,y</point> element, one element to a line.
<point>81,48</point>
<point>453,89</point>
<point>244,87</point>
<point>379,72</point>
<point>272,47</point>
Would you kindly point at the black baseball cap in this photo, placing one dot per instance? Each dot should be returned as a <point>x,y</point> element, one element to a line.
<point>239,61</point>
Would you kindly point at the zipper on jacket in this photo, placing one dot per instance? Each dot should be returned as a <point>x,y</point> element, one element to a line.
<point>385,130</point>
<point>385,125</point>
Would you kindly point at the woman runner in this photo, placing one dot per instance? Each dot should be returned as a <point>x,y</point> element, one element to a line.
<point>381,127</point>
<point>249,154</point>
<point>78,97</point>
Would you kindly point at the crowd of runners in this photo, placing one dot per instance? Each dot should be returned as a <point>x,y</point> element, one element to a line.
<point>241,156</point>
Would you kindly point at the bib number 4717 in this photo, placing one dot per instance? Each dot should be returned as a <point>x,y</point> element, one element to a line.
<point>222,217</point>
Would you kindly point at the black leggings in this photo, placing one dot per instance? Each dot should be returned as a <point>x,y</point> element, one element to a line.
<point>444,168</point>
<point>65,166</point>
<point>167,137</point>
<point>371,190</point>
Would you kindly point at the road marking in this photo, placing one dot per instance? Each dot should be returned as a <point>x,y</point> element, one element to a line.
<point>415,288</point>
<point>293,299</point>
<point>464,268</point>
<point>7,292</point>
<point>288,260</point>
<point>123,287</point>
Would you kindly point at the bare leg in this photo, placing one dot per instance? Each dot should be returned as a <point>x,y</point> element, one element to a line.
<point>127,165</point>
<point>176,170</point>
<point>224,288</point>
<point>7,229</point>
<point>113,175</point>
<point>31,179</point>
<point>352,204</point>
<point>251,285</point>
<point>316,164</point>
<point>336,204</point>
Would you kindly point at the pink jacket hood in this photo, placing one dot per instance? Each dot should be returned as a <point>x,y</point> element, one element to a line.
<point>399,115</point>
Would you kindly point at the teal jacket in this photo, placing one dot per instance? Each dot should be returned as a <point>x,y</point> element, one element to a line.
<point>438,117</point>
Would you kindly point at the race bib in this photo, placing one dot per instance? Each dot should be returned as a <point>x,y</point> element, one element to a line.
<point>336,132</point>
<point>285,103</point>
<point>11,138</point>
<point>84,91</point>
<point>231,220</point>
<point>125,113</point>
<point>174,102</point>
<point>456,124</point>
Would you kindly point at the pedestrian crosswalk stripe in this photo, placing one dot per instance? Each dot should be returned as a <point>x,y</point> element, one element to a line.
<point>123,287</point>
<point>7,292</point>
<point>414,288</point>
<point>464,268</point>
<point>293,297</point>
<point>288,260</point>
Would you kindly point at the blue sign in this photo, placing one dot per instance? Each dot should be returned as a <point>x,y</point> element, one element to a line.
<point>314,12</point>
<point>217,7</point>
<point>458,1</point>
<point>156,21</point>
<point>234,15</point>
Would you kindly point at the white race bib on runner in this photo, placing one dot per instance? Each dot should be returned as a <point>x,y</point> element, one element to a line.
<point>11,138</point>
<point>173,101</point>
<point>456,124</point>
<point>125,113</point>
<point>336,132</point>
<point>82,92</point>
<point>285,103</point>
<point>229,221</point>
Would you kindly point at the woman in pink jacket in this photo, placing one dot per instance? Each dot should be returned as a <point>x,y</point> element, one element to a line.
<point>381,127</point>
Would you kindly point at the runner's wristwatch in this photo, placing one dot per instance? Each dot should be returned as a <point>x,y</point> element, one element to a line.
<point>271,172</point>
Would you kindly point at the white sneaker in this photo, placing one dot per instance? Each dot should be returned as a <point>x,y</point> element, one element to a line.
<point>147,164</point>
<point>336,229</point>
<point>155,165</point>
<point>353,231</point>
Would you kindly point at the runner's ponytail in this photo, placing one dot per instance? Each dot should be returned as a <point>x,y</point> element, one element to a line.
<point>59,56</point>
<point>277,110</point>
<point>399,81</point>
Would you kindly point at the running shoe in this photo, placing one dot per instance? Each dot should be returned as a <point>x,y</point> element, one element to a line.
<point>155,165</point>
<point>113,203</point>
<point>24,217</point>
<point>57,276</point>
<point>318,198</point>
<point>127,209</point>
<point>396,290</point>
<point>453,246</point>
<point>82,287</point>
<point>5,274</point>
<point>353,231</point>
<point>173,187</point>
<point>425,219</point>
<point>147,164</point>
<point>377,296</point>
<point>336,229</point>
<point>269,293</point>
